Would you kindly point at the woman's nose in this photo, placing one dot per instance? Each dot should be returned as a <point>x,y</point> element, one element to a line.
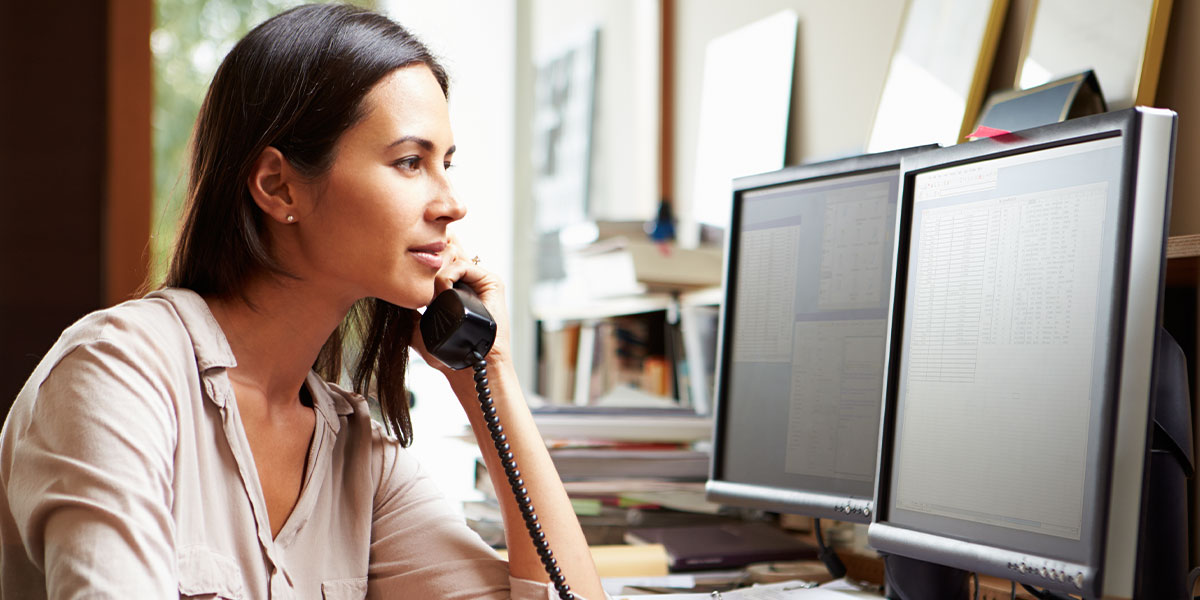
<point>447,207</point>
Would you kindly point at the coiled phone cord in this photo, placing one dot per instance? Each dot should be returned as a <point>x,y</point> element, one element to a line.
<point>514,478</point>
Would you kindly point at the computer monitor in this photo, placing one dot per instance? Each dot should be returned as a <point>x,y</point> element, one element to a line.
<point>1026,305</point>
<point>802,330</point>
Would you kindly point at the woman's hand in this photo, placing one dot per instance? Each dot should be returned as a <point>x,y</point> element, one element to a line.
<point>490,290</point>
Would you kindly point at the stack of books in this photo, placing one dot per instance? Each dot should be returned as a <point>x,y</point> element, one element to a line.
<point>622,468</point>
<point>590,460</point>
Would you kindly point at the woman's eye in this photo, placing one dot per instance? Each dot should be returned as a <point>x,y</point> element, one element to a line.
<point>446,165</point>
<point>409,164</point>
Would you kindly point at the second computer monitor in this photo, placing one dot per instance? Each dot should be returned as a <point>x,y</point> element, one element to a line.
<point>1027,302</point>
<point>803,325</point>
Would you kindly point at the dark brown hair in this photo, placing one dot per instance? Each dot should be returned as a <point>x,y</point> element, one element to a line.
<point>296,83</point>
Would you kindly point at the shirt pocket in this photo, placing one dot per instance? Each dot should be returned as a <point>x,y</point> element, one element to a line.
<point>205,574</point>
<point>354,588</point>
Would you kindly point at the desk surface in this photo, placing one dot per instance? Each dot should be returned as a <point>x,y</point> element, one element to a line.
<point>651,580</point>
<point>834,590</point>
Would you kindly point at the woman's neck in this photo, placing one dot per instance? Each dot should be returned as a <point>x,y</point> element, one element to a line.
<point>276,330</point>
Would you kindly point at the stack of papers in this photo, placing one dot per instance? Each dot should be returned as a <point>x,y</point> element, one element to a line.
<point>787,590</point>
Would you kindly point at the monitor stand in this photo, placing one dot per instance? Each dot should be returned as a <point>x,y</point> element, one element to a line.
<point>911,579</point>
<point>1162,563</point>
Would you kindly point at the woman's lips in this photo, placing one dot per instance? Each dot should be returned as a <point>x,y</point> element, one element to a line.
<point>429,259</point>
<point>429,254</point>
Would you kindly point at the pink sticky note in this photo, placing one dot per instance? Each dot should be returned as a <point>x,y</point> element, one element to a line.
<point>986,132</point>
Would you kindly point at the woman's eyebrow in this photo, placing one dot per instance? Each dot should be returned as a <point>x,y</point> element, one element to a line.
<point>420,141</point>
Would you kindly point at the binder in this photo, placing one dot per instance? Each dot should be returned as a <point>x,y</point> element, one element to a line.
<point>721,546</point>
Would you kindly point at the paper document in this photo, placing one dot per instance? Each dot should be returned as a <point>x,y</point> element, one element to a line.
<point>614,585</point>
<point>788,590</point>
<point>796,590</point>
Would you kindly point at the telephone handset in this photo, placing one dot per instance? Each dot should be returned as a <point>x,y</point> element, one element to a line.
<point>455,325</point>
<point>459,331</point>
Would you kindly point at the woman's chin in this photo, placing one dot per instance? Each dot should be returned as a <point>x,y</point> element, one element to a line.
<point>412,297</point>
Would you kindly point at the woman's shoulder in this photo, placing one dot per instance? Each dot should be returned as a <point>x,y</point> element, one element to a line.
<point>148,317</point>
<point>126,358</point>
<point>150,322</point>
<point>166,329</point>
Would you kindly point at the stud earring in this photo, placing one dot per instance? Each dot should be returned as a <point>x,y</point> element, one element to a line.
<point>291,219</point>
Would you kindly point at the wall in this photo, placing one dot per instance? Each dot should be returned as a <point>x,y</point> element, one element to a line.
<point>50,246</point>
<point>74,159</point>
<point>624,184</point>
<point>841,62</point>
<point>1179,89</point>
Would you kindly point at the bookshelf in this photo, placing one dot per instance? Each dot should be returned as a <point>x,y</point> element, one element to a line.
<point>1182,302</point>
<point>597,309</point>
<point>1183,260</point>
<point>1181,316</point>
<point>622,351</point>
<point>699,322</point>
<point>577,340</point>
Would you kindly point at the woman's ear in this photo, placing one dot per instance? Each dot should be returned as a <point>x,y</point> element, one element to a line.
<point>272,183</point>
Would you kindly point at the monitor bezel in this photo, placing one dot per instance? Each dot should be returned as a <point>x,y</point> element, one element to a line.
<point>1125,411</point>
<point>774,498</point>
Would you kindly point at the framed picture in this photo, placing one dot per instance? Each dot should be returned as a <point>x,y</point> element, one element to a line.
<point>1121,40</point>
<point>564,100</point>
<point>938,75</point>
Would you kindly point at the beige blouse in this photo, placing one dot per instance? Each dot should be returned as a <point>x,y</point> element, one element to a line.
<point>127,474</point>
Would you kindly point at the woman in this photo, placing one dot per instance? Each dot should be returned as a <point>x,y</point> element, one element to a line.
<point>183,444</point>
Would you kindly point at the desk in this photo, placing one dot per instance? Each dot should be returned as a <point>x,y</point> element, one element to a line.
<point>792,590</point>
<point>859,567</point>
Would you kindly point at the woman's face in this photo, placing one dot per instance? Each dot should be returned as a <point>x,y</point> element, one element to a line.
<point>378,217</point>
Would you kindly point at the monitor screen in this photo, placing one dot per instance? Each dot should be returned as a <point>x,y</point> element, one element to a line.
<point>803,332</point>
<point>1003,357</point>
<point>1010,331</point>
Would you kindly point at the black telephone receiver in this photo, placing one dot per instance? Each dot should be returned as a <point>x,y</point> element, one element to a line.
<point>455,325</point>
<point>459,331</point>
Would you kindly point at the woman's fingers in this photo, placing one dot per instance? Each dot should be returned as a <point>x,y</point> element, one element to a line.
<point>446,277</point>
<point>460,267</point>
<point>452,270</point>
